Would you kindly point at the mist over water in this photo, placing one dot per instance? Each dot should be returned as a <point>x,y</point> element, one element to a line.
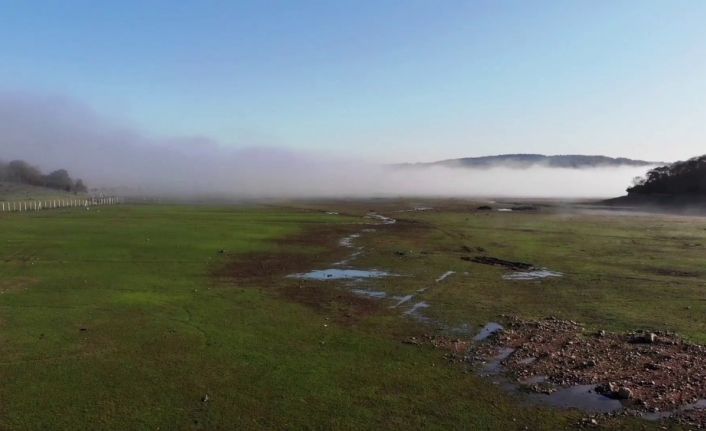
<point>61,133</point>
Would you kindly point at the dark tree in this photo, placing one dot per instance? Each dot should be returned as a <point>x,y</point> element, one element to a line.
<point>20,171</point>
<point>686,177</point>
<point>80,187</point>
<point>59,179</point>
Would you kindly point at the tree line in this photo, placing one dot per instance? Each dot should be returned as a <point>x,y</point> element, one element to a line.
<point>685,177</point>
<point>19,171</point>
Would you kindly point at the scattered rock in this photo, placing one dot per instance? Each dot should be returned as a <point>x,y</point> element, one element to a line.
<point>623,393</point>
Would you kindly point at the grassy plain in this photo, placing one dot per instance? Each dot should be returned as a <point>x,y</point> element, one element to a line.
<point>620,271</point>
<point>129,317</point>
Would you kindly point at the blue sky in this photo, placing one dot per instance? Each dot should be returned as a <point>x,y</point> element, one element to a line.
<point>390,80</point>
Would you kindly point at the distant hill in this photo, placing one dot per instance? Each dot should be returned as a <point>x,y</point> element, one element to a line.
<point>570,161</point>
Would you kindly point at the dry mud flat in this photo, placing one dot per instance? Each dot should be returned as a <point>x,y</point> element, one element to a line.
<point>654,374</point>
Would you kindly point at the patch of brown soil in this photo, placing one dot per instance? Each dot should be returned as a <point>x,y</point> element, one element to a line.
<point>456,349</point>
<point>16,284</point>
<point>293,254</point>
<point>655,371</point>
<point>674,272</point>
<point>340,305</point>
<point>316,247</point>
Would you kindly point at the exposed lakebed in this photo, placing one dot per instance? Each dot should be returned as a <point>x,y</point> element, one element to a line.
<point>546,360</point>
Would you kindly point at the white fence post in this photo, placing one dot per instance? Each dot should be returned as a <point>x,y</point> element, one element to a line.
<point>37,205</point>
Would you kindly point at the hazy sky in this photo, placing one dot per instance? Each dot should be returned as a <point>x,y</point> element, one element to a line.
<point>390,80</point>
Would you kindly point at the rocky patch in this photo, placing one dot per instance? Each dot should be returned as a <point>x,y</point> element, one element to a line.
<point>648,371</point>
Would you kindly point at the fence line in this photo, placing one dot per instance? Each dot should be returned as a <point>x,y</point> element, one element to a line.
<point>46,204</point>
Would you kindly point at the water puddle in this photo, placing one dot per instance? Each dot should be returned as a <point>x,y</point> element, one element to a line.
<point>532,275</point>
<point>445,275</point>
<point>534,380</point>
<point>416,209</point>
<point>349,259</point>
<point>504,210</point>
<point>382,218</point>
<point>495,367</point>
<point>488,330</point>
<point>348,240</point>
<point>402,300</point>
<point>582,397</point>
<point>376,294</point>
<point>340,274</point>
<point>415,312</point>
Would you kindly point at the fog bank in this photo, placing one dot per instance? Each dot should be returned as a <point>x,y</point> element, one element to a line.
<point>61,133</point>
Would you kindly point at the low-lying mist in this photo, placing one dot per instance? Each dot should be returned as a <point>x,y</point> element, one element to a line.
<point>60,133</point>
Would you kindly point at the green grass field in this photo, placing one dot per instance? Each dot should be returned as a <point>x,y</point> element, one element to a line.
<point>125,317</point>
<point>620,272</point>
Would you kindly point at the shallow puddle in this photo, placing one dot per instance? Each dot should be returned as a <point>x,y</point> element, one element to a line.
<point>382,218</point>
<point>340,274</point>
<point>495,366</point>
<point>532,275</point>
<point>402,300</point>
<point>583,397</point>
<point>349,259</point>
<point>534,380</point>
<point>416,307</point>
<point>445,275</point>
<point>416,209</point>
<point>348,241</point>
<point>415,312</point>
<point>377,294</point>
<point>488,330</point>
